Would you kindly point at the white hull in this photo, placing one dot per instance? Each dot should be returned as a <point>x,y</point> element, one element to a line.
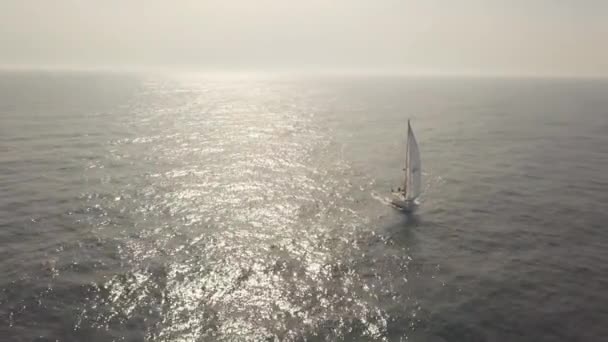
<point>400,202</point>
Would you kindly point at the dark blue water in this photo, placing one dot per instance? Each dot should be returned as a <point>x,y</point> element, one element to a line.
<point>198,208</point>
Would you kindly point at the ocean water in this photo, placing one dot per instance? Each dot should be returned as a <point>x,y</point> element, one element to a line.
<point>213,208</point>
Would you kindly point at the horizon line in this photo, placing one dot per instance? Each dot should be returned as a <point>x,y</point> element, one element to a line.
<point>304,71</point>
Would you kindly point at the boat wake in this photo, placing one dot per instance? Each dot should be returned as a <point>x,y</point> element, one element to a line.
<point>382,199</point>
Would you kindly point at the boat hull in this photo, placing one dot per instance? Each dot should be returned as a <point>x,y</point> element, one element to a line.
<point>403,204</point>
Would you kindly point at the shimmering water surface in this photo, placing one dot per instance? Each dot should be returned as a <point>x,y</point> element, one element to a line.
<point>253,208</point>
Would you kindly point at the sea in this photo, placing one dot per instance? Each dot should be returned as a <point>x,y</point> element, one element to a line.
<point>256,207</point>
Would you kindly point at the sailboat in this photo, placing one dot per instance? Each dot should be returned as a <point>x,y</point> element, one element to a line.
<point>405,197</point>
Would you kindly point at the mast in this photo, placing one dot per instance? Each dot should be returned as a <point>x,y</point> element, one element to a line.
<point>407,159</point>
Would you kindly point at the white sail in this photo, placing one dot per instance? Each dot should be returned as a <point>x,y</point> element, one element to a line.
<point>413,176</point>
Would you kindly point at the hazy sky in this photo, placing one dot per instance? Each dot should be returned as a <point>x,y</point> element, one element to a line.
<point>543,37</point>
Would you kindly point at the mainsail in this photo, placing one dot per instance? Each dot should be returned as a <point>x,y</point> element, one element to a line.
<point>413,179</point>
